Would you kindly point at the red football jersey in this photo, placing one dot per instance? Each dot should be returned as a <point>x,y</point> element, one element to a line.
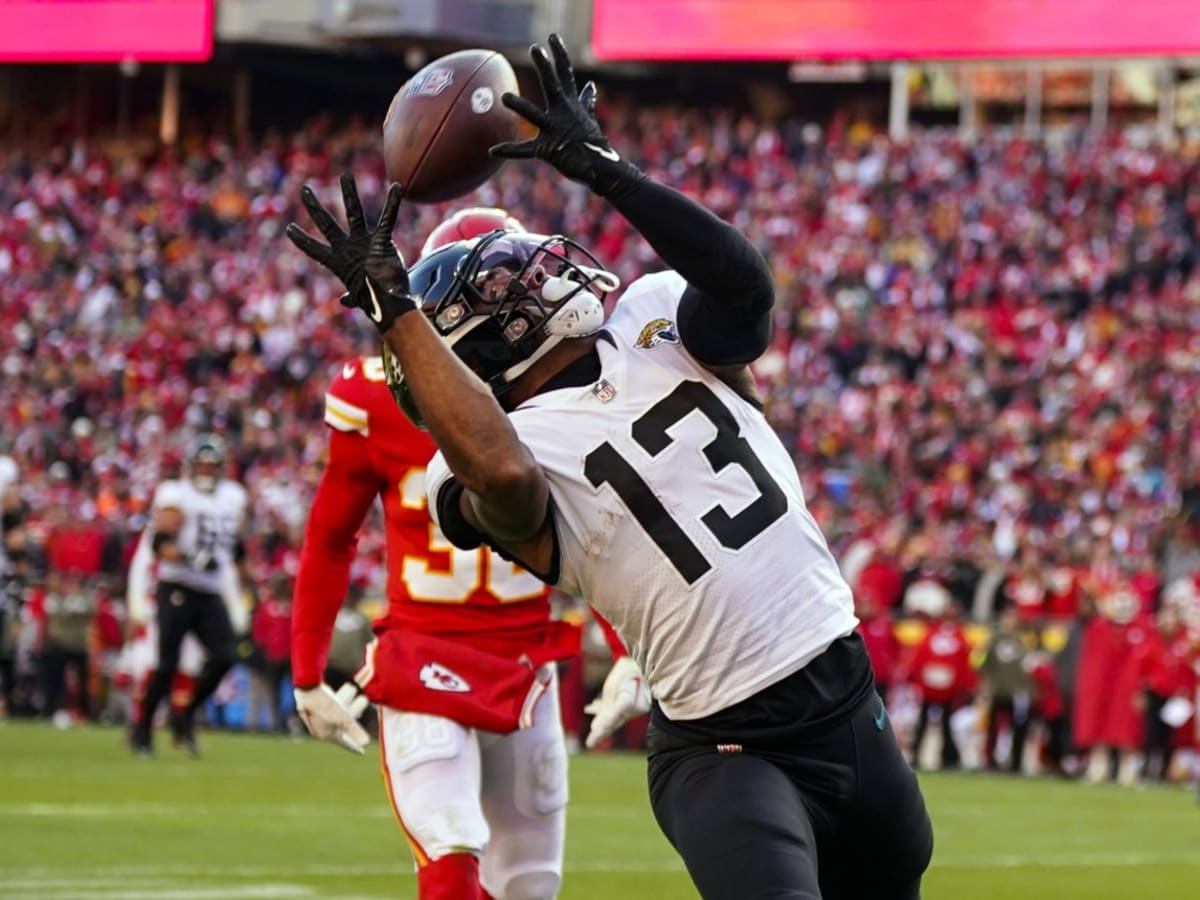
<point>941,665</point>
<point>432,586</point>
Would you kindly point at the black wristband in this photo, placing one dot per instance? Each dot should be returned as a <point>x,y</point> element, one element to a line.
<point>458,531</point>
<point>394,306</point>
<point>381,308</point>
<point>160,540</point>
<point>613,180</point>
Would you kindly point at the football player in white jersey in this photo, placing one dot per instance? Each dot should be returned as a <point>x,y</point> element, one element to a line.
<point>629,462</point>
<point>197,541</point>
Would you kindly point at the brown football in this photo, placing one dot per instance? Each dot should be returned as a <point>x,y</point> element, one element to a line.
<point>443,120</point>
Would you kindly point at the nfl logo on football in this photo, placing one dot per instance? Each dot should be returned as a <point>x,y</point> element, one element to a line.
<point>431,83</point>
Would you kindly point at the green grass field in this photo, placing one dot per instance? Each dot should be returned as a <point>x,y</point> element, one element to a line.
<point>278,818</point>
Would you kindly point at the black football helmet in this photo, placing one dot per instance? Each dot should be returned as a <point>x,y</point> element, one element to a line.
<point>503,300</point>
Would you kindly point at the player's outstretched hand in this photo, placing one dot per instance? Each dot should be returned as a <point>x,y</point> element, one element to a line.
<point>334,717</point>
<point>624,696</point>
<point>569,137</point>
<point>365,259</point>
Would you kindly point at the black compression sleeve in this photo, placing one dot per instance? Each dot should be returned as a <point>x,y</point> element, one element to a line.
<point>725,315</point>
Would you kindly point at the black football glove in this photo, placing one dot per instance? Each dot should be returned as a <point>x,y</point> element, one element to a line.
<point>366,261</point>
<point>569,137</point>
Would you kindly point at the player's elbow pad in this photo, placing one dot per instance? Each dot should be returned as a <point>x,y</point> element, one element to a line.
<point>458,531</point>
<point>718,333</point>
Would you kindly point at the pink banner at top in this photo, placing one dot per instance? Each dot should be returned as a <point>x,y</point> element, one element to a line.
<point>892,29</point>
<point>105,30</point>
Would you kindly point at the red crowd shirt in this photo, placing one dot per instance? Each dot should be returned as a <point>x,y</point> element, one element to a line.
<point>1164,664</point>
<point>883,647</point>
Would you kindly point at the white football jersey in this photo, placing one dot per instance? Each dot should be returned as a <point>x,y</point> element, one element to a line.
<point>680,516</point>
<point>212,521</point>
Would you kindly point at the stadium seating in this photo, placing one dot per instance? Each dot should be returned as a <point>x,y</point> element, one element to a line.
<point>984,358</point>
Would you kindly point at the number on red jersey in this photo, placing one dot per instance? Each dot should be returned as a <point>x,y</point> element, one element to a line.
<point>467,571</point>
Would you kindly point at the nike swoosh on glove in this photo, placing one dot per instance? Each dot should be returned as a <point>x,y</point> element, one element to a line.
<point>623,697</point>
<point>569,137</point>
<point>334,717</point>
<point>365,259</point>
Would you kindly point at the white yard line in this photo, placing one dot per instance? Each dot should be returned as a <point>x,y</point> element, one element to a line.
<point>1081,860</point>
<point>131,810</point>
<point>122,890</point>
<point>53,877</point>
<point>300,811</point>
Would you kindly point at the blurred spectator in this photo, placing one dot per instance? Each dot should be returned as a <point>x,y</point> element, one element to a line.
<point>878,629</point>
<point>1049,707</point>
<point>68,606</point>
<point>1164,673</point>
<point>1107,720</point>
<point>271,635</point>
<point>108,639</point>
<point>940,669</point>
<point>1006,687</point>
<point>351,634</point>
<point>1026,590</point>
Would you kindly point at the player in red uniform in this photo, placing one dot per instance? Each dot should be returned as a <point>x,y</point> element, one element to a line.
<point>940,667</point>
<point>463,664</point>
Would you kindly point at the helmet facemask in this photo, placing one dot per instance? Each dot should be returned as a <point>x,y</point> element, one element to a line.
<point>206,463</point>
<point>512,299</point>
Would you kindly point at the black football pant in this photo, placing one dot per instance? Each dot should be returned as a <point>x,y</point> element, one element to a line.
<point>54,679</point>
<point>181,610</point>
<point>1156,744</point>
<point>1018,723</point>
<point>950,755</point>
<point>839,817</point>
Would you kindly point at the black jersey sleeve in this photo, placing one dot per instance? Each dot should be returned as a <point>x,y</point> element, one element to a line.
<point>725,312</point>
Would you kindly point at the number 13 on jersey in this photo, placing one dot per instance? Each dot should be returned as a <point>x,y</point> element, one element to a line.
<point>651,432</point>
<point>466,572</point>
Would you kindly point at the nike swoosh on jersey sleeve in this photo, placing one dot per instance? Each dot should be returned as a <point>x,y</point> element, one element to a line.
<point>345,416</point>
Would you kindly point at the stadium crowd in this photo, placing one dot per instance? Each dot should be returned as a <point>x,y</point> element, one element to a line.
<point>986,362</point>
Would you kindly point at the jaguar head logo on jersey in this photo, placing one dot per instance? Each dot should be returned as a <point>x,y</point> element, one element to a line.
<point>655,332</point>
<point>437,677</point>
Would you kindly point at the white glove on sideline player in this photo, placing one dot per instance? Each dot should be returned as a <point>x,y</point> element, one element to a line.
<point>624,696</point>
<point>334,717</point>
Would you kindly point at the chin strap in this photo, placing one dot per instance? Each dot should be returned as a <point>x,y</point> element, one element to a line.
<point>502,381</point>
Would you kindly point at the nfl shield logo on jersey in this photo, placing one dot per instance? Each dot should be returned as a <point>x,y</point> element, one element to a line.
<point>603,391</point>
<point>430,83</point>
<point>437,677</point>
<point>655,332</point>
